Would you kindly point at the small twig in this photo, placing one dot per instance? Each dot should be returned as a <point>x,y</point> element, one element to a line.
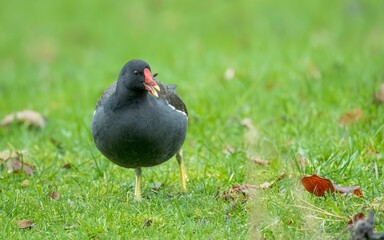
<point>323,212</point>
<point>319,210</point>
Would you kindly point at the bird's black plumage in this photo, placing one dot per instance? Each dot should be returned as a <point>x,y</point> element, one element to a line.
<point>134,128</point>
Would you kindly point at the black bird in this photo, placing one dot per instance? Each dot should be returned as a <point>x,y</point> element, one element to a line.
<point>140,122</point>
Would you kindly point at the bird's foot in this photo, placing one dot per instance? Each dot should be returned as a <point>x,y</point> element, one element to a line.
<point>138,184</point>
<point>180,160</point>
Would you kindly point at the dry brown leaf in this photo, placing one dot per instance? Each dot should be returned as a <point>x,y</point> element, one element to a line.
<point>260,161</point>
<point>54,195</point>
<point>67,165</point>
<point>378,98</point>
<point>319,186</point>
<point>25,183</point>
<point>14,162</point>
<point>29,117</point>
<point>346,190</point>
<point>25,224</point>
<point>349,118</point>
<point>246,191</point>
<point>240,192</point>
<point>148,222</point>
<point>6,154</point>
<point>15,166</point>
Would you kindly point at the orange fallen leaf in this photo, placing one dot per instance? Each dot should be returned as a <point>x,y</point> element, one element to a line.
<point>25,224</point>
<point>349,118</point>
<point>319,186</point>
<point>29,117</point>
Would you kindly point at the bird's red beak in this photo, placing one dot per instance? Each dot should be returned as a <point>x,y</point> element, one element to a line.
<point>149,83</point>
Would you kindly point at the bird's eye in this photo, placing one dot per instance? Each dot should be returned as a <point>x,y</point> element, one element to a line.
<point>136,72</point>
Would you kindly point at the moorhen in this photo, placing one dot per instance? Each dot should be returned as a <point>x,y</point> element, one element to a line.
<point>140,122</point>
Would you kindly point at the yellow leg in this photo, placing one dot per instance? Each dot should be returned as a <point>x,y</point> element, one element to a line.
<point>180,160</point>
<point>138,184</point>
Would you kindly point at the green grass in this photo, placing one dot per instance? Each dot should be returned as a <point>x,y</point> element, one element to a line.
<point>299,67</point>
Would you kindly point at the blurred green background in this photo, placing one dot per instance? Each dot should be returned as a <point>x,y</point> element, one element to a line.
<point>298,66</point>
<point>47,47</point>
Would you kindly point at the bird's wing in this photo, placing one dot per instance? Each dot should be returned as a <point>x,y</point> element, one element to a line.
<point>107,93</point>
<point>168,92</point>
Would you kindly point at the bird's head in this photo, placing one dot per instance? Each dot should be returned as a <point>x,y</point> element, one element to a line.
<point>136,76</point>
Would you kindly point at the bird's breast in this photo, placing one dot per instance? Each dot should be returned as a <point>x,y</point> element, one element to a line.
<point>141,135</point>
